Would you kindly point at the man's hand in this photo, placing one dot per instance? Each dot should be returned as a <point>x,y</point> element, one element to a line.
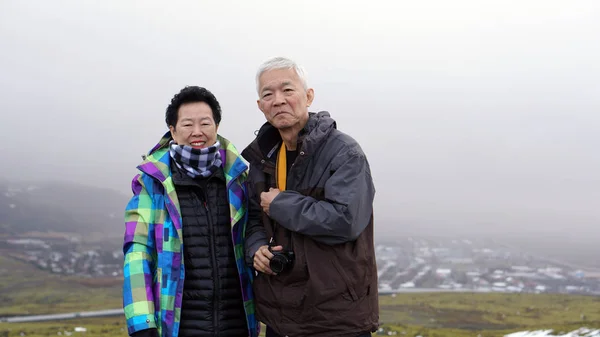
<point>267,197</point>
<point>262,257</point>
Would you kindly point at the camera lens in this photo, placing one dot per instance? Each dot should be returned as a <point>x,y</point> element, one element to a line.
<point>277,263</point>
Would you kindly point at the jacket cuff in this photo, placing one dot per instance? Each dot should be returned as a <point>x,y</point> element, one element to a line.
<point>279,210</point>
<point>141,322</point>
<point>146,333</point>
<point>252,245</point>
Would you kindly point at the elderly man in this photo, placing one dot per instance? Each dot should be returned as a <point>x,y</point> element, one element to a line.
<point>311,186</point>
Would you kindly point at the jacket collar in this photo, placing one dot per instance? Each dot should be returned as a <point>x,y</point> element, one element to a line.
<point>157,162</point>
<point>157,165</point>
<point>264,147</point>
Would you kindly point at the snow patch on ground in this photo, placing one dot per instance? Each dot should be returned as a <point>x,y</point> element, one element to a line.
<point>583,332</point>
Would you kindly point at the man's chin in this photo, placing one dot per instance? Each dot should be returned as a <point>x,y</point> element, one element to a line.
<point>282,125</point>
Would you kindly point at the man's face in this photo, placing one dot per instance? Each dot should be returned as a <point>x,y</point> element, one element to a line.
<point>283,100</point>
<point>196,126</point>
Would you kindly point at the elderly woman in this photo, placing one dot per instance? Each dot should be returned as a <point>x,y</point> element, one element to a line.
<point>184,270</point>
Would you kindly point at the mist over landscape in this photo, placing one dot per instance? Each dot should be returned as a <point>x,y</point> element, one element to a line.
<point>478,119</point>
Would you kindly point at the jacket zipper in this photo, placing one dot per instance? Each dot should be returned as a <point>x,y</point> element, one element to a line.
<point>213,252</point>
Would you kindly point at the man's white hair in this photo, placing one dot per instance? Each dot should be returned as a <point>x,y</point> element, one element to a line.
<point>280,63</point>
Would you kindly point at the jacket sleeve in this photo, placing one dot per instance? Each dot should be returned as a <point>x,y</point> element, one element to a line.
<point>256,236</point>
<point>344,212</point>
<point>140,257</point>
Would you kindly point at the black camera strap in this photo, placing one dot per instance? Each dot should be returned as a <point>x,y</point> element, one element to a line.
<point>289,236</point>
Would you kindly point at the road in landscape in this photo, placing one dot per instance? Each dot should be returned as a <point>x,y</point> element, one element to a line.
<point>53,317</point>
<point>119,312</point>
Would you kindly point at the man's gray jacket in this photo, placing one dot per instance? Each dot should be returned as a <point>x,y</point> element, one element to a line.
<point>327,212</point>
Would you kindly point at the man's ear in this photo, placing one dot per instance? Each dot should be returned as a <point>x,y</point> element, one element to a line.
<point>310,96</point>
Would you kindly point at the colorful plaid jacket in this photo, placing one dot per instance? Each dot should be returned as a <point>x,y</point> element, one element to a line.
<point>153,245</point>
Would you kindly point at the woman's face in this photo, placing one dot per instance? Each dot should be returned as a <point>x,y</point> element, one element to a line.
<point>196,126</point>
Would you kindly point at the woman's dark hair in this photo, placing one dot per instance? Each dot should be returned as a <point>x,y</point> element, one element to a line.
<point>191,94</point>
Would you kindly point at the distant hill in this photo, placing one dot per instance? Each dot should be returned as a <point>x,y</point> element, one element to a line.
<point>60,207</point>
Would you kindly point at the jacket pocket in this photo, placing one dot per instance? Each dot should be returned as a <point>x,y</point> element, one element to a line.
<point>288,296</point>
<point>349,284</point>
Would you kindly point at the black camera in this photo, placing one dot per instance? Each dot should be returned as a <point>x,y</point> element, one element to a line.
<point>282,260</point>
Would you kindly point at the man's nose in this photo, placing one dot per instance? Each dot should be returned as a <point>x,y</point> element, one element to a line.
<point>279,98</point>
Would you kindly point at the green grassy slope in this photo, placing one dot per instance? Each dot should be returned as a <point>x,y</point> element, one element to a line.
<point>25,290</point>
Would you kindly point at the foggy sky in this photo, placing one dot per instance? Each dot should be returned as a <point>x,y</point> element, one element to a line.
<point>473,114</point>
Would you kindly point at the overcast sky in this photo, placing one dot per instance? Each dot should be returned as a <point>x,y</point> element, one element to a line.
<point>473,114</point>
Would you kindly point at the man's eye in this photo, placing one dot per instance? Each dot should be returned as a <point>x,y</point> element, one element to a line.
<point>266,95</point>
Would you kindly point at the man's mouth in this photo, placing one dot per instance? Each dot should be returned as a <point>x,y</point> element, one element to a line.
<point>197,144</point>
